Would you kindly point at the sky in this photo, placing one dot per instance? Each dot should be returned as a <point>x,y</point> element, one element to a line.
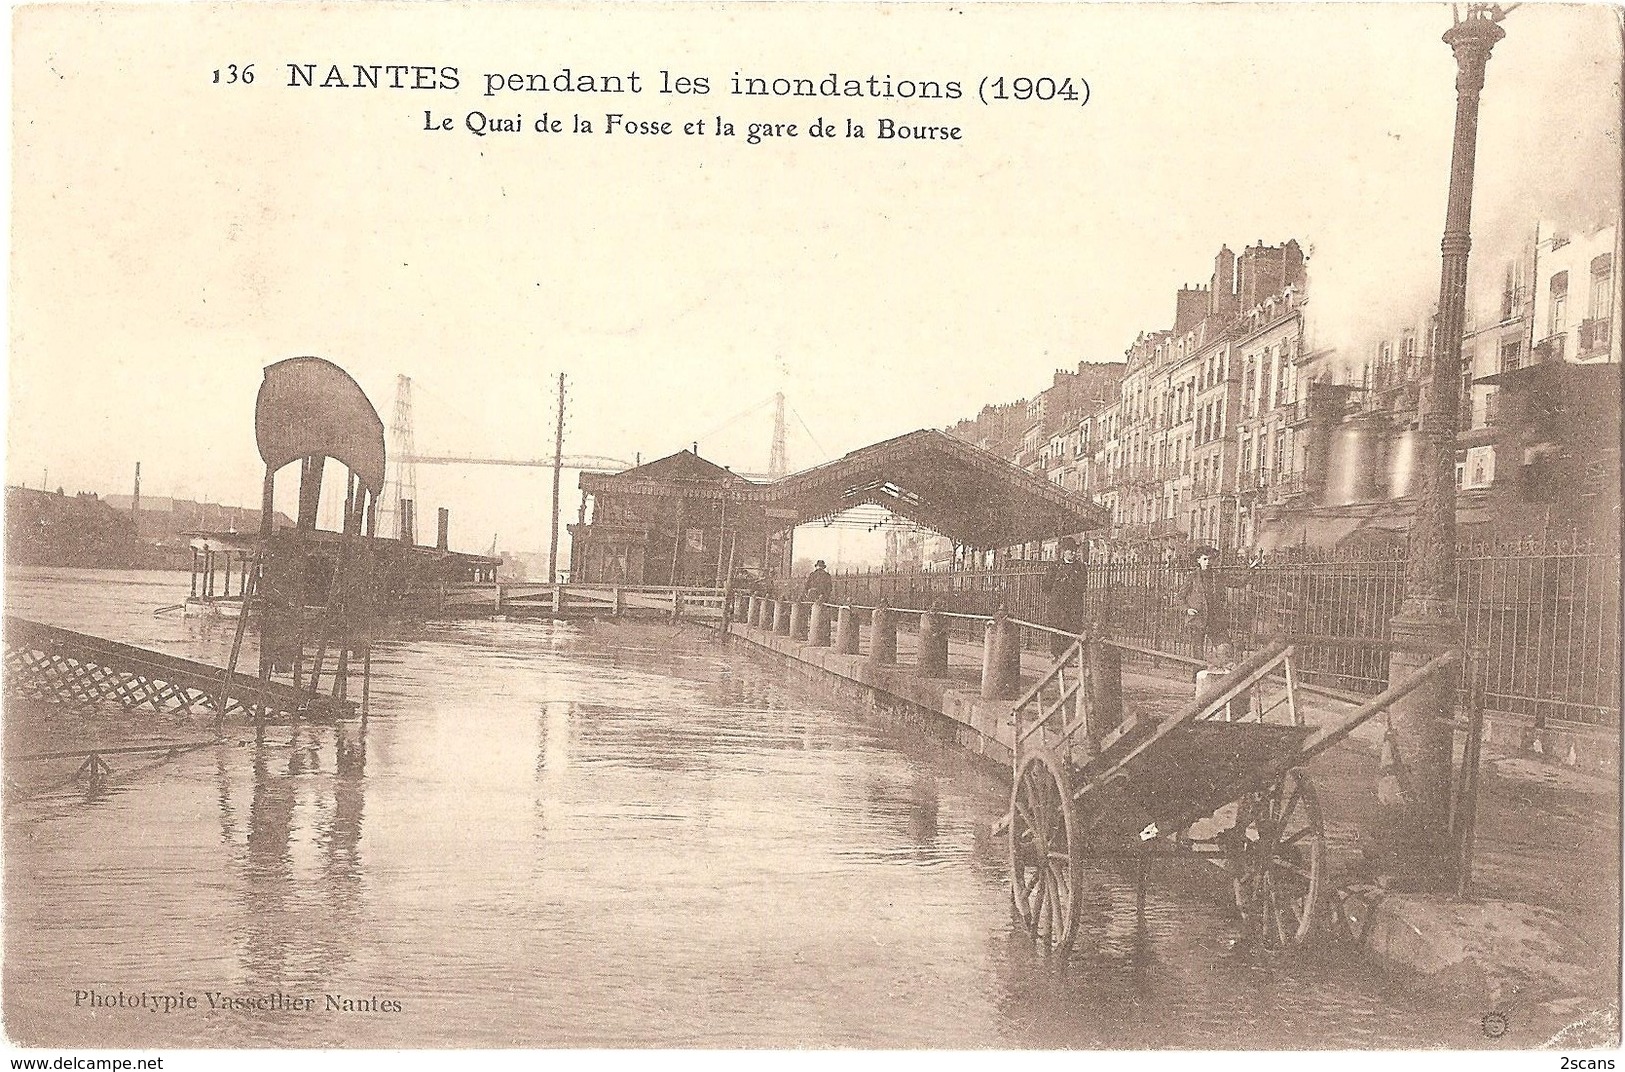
<point>171,235</point>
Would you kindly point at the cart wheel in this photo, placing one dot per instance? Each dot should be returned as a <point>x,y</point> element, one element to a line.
<point>1044,851</point>
<point>1278,862</point>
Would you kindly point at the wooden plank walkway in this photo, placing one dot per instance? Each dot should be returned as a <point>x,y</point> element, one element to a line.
<point>60,666</point>
<point>536,599</point>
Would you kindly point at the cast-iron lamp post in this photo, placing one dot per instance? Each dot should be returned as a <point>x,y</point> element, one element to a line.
<point>1413,833</point>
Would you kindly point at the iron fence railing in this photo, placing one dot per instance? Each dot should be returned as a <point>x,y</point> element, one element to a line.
<point>1541,619</point>
<point>1550,349</point>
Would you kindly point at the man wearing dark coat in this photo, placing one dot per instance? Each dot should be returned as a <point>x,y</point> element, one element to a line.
<point>1065,586</point>
<point>1207,614</point>
<point>820,585</point>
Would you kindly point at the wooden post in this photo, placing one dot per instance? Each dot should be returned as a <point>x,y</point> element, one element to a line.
<point>352,529</point>
<point>558,599</point>
<point>221,698</point>
<point>677,543</point>
<point>1105,689</point>
<point>617,596</point>
<point>366,679</point>
<point>310,489</point>
<point>496,608</point>
<point>267,496</point>
<point>727,583</point>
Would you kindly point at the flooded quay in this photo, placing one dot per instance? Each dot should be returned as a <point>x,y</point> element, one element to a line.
<point>577,834</point>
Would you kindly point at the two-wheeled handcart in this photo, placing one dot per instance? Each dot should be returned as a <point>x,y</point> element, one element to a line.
<point>1220,779</point>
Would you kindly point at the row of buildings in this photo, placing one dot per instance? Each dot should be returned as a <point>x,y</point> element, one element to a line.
<point>1248,426</point>
<point>86,530</point>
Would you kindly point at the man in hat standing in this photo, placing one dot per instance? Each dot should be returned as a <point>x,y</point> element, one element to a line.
<point>1065,586</point>
<point>1207,615</point>
<point>820,585</point>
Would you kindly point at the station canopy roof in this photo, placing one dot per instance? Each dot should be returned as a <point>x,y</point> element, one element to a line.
<point>942,483</point>
<point>945,484</point>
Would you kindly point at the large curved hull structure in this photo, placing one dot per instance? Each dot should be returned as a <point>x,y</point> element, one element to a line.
<point>309,406</point>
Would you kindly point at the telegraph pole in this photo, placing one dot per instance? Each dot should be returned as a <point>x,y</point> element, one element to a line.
<point>778,462</point>
<point>1414,830</point>
<point>558,465</point>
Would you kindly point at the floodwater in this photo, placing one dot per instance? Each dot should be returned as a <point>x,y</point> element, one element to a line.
<point>596,835</point>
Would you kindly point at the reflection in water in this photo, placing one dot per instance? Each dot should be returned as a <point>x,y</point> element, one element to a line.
<point>557,835</point>
<point>302,863</point>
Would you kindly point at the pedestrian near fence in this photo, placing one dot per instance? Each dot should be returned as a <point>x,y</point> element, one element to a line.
<point>1066,585</point>
<point>1206,600</point>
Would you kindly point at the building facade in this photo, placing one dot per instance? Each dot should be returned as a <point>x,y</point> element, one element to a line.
<point>1236,427</point>
<point>679,520</point>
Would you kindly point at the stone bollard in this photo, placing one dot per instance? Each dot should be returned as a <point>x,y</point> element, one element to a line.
<point>798,620</point>
<point>755,611</point>
<point>933,659</point>
<point>883,637</point>
<point>846,632</point>
<point>1105,690</point>
<point>781,617</point>
<point>1001,659</point>
<point>818,626</point>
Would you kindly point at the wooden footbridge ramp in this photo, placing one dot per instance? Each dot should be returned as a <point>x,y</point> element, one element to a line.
<point>77,670</point>
<point>535,599</point>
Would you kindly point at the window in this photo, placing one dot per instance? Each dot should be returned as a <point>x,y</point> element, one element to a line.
<point>1512,291</point>
<point>1602,279</point>
<point>1511,354</point>
<point>1559,303</point>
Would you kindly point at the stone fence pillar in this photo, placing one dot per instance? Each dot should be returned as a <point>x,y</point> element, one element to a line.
<point>846,632</point>
<point>933,657</point>
<point>1001,659</point>
<point>883,637</point>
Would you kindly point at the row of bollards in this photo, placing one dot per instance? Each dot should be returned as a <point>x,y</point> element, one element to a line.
<point>810,622</point>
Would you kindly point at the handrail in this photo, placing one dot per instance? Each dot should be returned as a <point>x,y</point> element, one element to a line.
<point>1327,736</point>
<point>664,589</point>
<point>1057,670</point>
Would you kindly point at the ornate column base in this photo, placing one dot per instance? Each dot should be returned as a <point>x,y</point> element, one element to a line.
<point>1407,836</point>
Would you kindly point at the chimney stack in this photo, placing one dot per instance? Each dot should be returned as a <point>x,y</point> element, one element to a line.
<point>405,533</point>
<point>1222,301</point>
